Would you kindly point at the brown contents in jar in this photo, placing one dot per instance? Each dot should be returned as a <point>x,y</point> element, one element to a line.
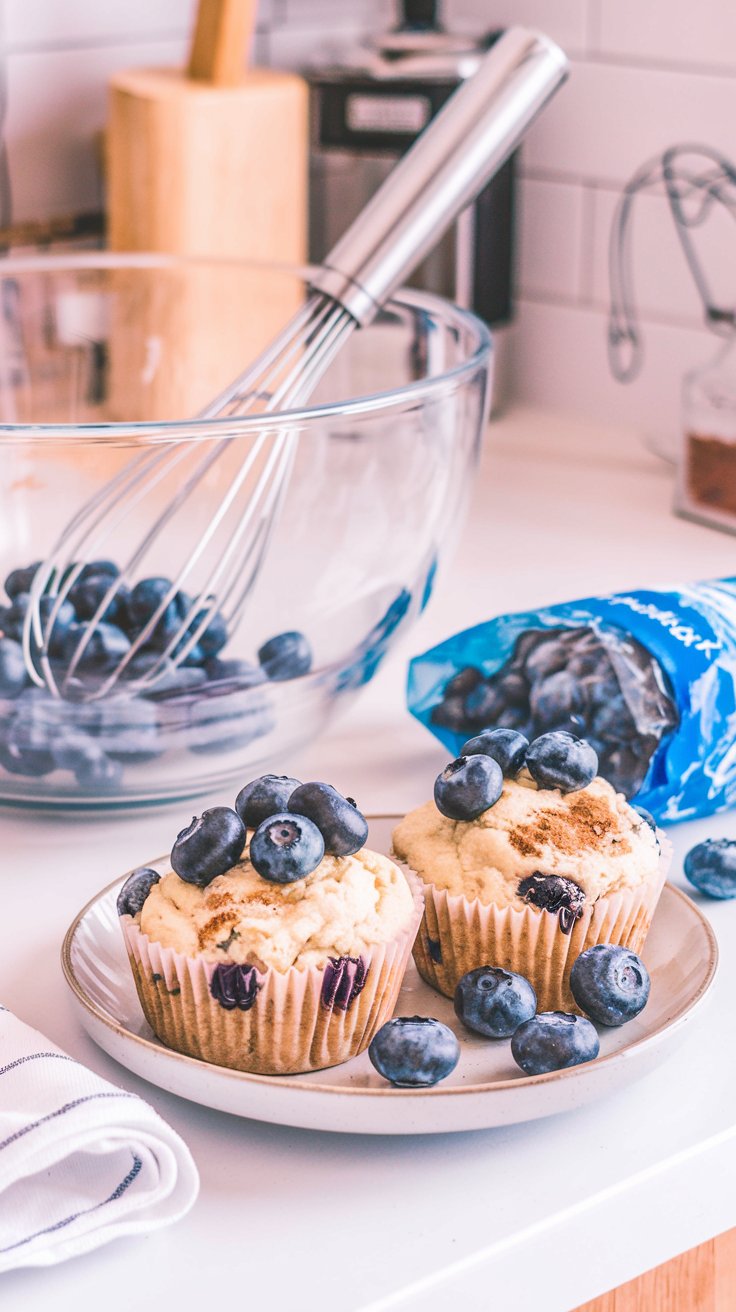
<point>711,471</point>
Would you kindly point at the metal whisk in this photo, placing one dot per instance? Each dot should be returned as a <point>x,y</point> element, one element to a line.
<point>453,159</point>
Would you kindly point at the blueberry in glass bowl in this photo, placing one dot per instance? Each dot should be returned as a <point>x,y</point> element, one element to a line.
<point>374,490</point>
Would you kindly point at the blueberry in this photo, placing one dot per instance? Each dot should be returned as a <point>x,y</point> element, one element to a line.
<point>484,704</point>
<point>65,618</point>
<point>14,616</point>
<point>554,699</point>
<point>463,682</point>
<point>209,846</point>
<point>554,893</point>
<point>286,656</point>
<point>338,819</point>
<point>553,1040</point>
<point>89,591</point>
<point>610,984</point>
<point>242,673</point>
<point>559,760</point>
<point>213,638</point>
<point>130,729</point>
<point>75,749</point>
<point>170,680</point>
<point>26,750</point>
<point>613,723</point>
<point>414,1052</point>
<point>468,786</point>
<point>142,604</point>
<point>286,847</point>
<point>96,567</point>
<point>13,677</point>
<point>507,747</point>
<point>98,772</point>
<point>227,719</point>
<point>264,797</point>
<point>104,651</point>
<point>548,658</point>
<point>20,580</point>
<point>135,890</point>
<point>450,714</point>
<point>514,688</point>
<point>711,867</point>
<point>494,1002</point>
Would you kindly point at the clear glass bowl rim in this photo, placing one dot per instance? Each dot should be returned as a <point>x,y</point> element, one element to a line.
<point>424,389</point>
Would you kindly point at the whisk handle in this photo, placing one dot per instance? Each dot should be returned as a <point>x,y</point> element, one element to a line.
<point>449,164</point>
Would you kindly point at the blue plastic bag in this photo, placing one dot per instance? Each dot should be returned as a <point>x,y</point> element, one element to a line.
<point>648,677</point>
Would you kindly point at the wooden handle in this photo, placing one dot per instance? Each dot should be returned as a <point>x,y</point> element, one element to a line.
<point>221,41</point>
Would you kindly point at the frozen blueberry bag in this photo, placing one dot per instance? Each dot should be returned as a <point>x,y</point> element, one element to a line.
<point>648,677</point>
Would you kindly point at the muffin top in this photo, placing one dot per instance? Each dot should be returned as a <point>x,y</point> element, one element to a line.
<point>341,908</point>
<point>590,836</point>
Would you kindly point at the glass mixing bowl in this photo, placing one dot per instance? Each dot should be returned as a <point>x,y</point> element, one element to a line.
<point>108,358</point>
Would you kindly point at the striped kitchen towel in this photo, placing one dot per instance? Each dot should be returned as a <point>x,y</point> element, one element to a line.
<point>81,1161</point>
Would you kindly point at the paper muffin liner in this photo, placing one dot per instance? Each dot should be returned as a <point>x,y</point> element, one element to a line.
<point>457,935</point>
<point>270,1022</point>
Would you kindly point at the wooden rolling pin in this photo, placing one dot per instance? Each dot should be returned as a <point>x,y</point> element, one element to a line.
<point>207,162</point>
<point>211,160</point>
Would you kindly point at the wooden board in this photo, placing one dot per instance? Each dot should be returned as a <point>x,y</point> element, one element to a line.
<point>701,1280</point>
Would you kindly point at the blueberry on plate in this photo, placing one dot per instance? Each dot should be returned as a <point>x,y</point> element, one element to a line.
<point>494,1002</point>
<point>263,797</point>
<point>414,1052</point>
<point>711,867</point>
<point>559,760</point>
<point>553,1040</point>
<point>13,677</point>
<point>286,847</point>
<point>209,846</point>
<point>505,746</point>
<point>468,786</point>
<point>610,984</point>
<point>135,890</point>
<point>343,827</point>
<point>286,656</point>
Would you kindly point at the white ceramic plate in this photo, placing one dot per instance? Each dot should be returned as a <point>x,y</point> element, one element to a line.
<point>486,1088</point>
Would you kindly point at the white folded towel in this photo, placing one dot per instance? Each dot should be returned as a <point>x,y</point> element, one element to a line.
<point>81,1161</point>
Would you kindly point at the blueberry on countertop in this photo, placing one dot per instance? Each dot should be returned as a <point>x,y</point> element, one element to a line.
<point>286,847</point>
<point>559,760</point>
<point>506,746</point>
<point>263,797</point>
<point>553,1040</point>
<point>468,786</point>
<point>13,677</point>
<point>494,1002</point>
<point>414,1052</point>
<point>135,890</point>
<point>343,827</point>
<point>286,656</point>
<point>610,984</point>
<point>563,897</point>
<point>711,867</point>
<point>209,846</point>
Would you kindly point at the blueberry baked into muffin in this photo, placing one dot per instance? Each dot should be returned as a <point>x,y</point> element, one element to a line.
<point>527,859</point>
<point>272,940</point>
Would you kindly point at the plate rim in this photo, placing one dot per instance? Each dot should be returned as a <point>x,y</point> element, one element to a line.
<point>435,1091</point>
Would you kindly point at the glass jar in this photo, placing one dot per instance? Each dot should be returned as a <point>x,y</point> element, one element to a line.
<point>706,481</point>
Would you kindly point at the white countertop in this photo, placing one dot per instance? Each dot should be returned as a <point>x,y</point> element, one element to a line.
<point>534,1218</point>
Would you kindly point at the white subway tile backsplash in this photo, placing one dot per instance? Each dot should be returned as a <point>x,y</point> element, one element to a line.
<point>669,31</point>
<point>48,24</point>
<point>608,119</point>
<point>549,238</point>
<point>56,105</point>
<point>559,360</point>
<point>662,281</point>
<point>565,21</point>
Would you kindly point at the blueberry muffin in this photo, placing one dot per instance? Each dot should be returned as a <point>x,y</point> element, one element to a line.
<point>526,872</point>
<point>272,940</point>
